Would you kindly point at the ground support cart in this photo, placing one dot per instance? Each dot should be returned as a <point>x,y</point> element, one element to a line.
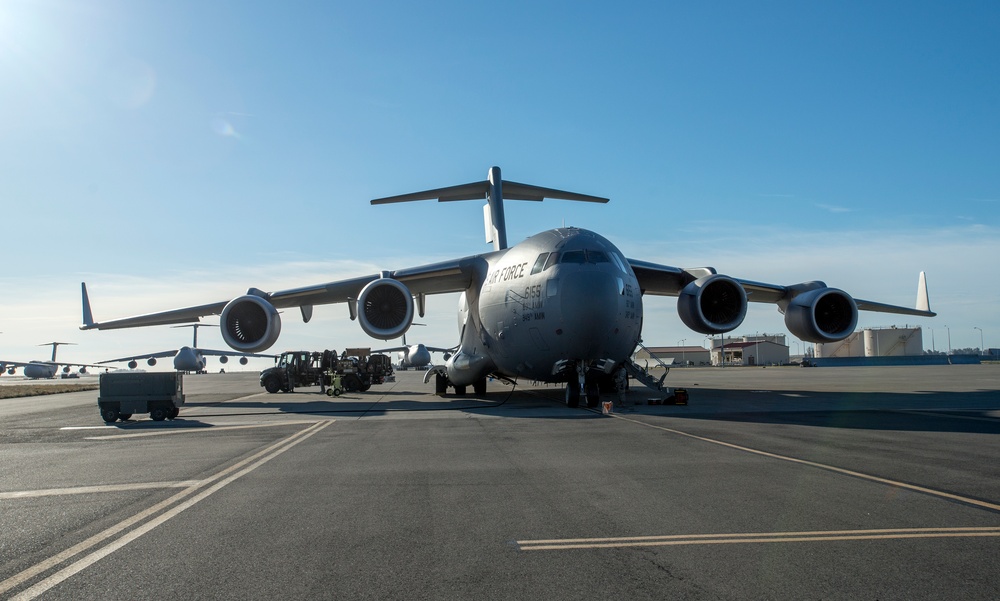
<point>123,394</point>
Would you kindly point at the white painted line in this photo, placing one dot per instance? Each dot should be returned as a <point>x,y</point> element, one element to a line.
<point>159,512</point>
<point>753,537</point>
<point>188,430</point>
<point>85,490</point>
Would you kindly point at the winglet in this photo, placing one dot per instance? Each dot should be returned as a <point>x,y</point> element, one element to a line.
<point>923,301</point>
<point>88,315</point>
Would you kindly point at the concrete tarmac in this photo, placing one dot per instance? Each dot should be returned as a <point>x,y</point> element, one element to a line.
<point>776,483</point>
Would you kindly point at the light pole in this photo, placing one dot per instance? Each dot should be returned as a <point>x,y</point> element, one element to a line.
<point>982,348</point>
<point>681,342</point>
<point>948,330</point>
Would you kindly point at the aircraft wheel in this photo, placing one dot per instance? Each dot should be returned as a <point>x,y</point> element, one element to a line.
<point>158,414</point>
<point>440,384</point>
<point>479,386</point>
<point>365,387</point>
<point>174,413</point>
<point>572,393</point>
<point>272,385</point>
<point>110,415</point>
<point>125,416</point>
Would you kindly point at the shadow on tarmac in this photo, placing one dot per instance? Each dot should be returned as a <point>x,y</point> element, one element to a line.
<point>965,412</point>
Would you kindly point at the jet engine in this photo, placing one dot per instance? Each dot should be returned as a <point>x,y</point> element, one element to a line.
<point>223,359</point>
<point>712,304</point>
<point>385,308</point>
<point>822,315</point>
<point>244,360</point>
<point>250,324</point>
<point>132,364</point>
<point>151,361</point>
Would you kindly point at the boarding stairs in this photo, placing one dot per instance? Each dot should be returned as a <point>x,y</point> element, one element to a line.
<point>642,373</point>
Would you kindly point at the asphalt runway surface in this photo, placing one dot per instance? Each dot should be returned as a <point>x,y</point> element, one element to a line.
<point>776,483</point>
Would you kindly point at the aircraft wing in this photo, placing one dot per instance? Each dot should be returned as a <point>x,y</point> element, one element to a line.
<point>159,355</point>
<point>232,353</point>
<point>664,280</point>
<point>394,349</point>
<point>5,364</point>
<point>436,278</point>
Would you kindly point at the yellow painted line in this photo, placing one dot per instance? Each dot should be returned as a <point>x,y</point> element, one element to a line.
<point>823,466</point>
<point>188,430</point>
<point>753,537</point>
<point>84,490</point>
<point>160,513</point>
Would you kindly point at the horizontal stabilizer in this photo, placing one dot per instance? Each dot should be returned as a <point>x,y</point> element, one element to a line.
<point>494,190</point>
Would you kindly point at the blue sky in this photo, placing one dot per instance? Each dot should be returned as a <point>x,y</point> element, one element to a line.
<point>176,153</point>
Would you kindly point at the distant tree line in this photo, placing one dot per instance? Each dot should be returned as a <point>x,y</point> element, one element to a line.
<point>958,351</point>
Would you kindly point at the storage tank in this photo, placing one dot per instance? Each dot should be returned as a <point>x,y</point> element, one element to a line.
<point>852,346</point>
<point>893,342</point>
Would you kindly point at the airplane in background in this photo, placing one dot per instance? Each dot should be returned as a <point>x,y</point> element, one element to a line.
<point>414,355</point>
<point>564,305</point>
<point>37,370</point>
<point>187,358</point>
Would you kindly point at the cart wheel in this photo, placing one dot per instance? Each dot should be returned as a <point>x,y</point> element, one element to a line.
<point>158,415</point>
<point>330,392</point>
<point>337,391</point>
<point>110,415</point>
<point>125,416</point>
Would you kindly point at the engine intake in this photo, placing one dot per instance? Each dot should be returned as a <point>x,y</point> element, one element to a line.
<point>822,315</point>
<point>250,324</point>
<point>712,304</point>
<point>385,308</point>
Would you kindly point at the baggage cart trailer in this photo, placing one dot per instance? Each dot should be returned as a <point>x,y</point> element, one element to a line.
<point>159,394</point>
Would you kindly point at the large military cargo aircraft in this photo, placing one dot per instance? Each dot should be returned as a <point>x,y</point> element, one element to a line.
<point>564,305</point>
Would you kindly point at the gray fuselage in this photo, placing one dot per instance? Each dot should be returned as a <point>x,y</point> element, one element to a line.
<point>566,294</point>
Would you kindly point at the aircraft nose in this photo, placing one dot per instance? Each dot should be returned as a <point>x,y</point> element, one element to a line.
<point>589,304</point>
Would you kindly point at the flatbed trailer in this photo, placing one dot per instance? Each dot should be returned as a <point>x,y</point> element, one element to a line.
<point>160,394</point>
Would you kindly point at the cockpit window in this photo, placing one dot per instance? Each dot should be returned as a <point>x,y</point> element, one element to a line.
<point>618,261</point>
<point>552,260</point>
<point>539,263</point>
<point>584,256</point>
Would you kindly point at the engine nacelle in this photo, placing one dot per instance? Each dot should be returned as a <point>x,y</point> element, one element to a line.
<point>244,361</point>
<point>132,364</point>
<point>151,361</point>
<point>712,304</point>
<point>822,315</point>
<point>250,324</point>
<point>385,308</point>
<point>223,359</point>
